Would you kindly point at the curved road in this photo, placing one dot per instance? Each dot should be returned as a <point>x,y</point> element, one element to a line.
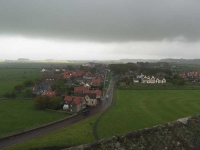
<point>6,142</point>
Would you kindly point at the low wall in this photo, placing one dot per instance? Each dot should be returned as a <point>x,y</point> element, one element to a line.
<point>182,134</point>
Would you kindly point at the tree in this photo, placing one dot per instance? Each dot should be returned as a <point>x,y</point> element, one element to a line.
<point>43,102</point>
<point>10,95</point>
<point>180,82</point>
<point>19,87</point>
<point>54,102</point>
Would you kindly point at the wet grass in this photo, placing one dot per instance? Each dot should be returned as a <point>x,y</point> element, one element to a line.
<point>18,115</point>
<point>75,134</point>
<point>137,109</point>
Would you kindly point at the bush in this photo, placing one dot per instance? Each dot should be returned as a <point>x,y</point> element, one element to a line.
<point>54,102</point>
<point>10,95</point>
<point>46,102</point>
<point>19,87</point>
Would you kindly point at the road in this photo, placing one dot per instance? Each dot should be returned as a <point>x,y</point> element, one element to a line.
<point>42,131</point>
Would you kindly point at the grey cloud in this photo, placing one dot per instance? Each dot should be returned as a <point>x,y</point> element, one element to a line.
<point>102,21</point>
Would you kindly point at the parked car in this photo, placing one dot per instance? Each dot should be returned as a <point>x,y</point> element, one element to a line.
<point>86,112</point>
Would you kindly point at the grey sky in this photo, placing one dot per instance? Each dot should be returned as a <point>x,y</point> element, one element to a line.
<point>115,26</point>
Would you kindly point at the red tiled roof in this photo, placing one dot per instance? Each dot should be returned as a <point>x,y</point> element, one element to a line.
<point>88,73</point>
<point>67,74</point>
<point>96,79</point>
<point>98,92</point>
<point>78,73</point>
<point>78,89</point>
<point>68,98</point>
<point>78,100</point>
<point>50,93</point>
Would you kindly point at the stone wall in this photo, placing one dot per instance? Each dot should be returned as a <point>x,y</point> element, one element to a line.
<point>183,134</point>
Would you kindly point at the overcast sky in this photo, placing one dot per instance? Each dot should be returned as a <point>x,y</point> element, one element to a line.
<point>107,29</point>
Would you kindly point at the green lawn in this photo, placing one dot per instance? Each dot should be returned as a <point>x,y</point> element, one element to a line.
<point>167,86</point>
<point>137,109</point>
<point>17,115</point>
<point>134,109</point>
<point>11,77</point>
<point>75,134</point>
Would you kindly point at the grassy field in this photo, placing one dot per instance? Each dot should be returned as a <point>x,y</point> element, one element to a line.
<point>75,134</point>
<point>134,109</point>
<point>167,86</point>
<point>11,77</point>
<point>29,65</point>
<point>17,115</point>
<point>137,109</point>
<point>12,74</point>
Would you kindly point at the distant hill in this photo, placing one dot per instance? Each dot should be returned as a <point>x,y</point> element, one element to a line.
<point>23,59</point>
<point>181,61</point>
<point>139,60</point>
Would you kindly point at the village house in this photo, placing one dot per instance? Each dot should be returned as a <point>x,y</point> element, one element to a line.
<point>90,98</point>
<point>43,70</point>
<point>97,92</point>
<point>81,89</point>
<point>160,80</point>
<point>74,104</point>
<point>78,80</point>
<point>191,74</point>
<point>40,88</point>
<point>88,78</point>
<point>152,80</point>
<point>49,93</point>
<point>78,73</point>
<point>97,82</point>
<point>128,74</point>
<point>67,74</point>
<point>140,76</point>
<point>89,65</point>
<point>145,79</point>
<point>88,73</point>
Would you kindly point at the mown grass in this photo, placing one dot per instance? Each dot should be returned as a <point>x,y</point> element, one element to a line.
<point>75,134</point>
<point>166,86</point>
<point>11,77</point>
<point>32,65</point>
<point>137,109</point>
<point>134,109</point>
<point>18,115</point>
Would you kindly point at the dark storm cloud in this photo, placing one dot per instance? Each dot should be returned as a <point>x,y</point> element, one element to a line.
<point>102,21</point>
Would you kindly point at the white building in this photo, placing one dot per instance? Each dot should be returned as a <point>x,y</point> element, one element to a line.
<point>153,80</point>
